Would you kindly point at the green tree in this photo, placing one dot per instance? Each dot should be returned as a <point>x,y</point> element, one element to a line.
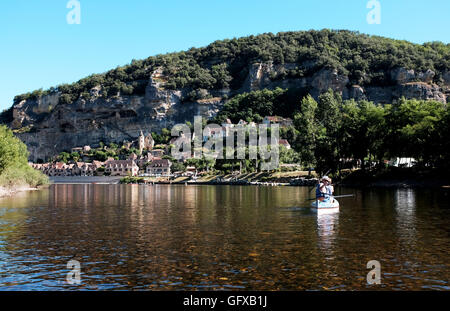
<point>64,157</point>
<point>328,118</point>
<point>75,156</point>
<point>363,130</point>
<point>414,126</point>
<point>14,168</point>
<point>306,126</point>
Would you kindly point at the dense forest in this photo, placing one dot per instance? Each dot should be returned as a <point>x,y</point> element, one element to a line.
<point>224,64</point>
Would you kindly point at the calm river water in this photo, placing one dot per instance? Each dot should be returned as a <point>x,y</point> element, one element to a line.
<point>222,237</point>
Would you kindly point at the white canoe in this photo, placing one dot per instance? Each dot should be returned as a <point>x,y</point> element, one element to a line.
<point>325,207</point>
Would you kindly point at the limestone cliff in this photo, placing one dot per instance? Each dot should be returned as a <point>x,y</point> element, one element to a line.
<point>52,127</point>
<point>172,88</point>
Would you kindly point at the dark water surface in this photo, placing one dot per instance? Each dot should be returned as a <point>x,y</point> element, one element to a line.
<point>222,237</point>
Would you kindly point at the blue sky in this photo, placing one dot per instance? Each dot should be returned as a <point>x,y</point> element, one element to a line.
<point>39,49</point>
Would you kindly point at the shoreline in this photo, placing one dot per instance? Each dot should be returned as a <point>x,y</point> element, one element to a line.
<point>6,192</point>
<point>9,192</point>
<point>398,178</point>
<point>397,184</point>
<point>384,183</point>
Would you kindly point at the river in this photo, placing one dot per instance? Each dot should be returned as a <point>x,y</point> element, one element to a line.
<point>172,237</point>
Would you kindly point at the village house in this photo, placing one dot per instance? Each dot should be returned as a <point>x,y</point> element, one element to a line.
<point>77,149</point>
<point>68,169</point>
<point>77,168</point>
<point>81,149</point>
<point>157,153</point>
<point>58,169</point>
<point>283,122</point>
<point>121,168</point>
<point>159,168</point>
<point>213,133</point>
<point>89,169</point>
<point>71,169</point>
<point>284,143</point>
<point>226,130</point>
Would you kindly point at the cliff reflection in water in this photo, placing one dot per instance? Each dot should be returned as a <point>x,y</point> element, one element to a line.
<point>221,237</point>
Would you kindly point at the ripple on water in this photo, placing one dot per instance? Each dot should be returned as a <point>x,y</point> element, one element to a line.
<point>220,238</point>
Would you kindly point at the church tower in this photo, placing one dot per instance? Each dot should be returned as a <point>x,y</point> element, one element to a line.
<point>141,142</point>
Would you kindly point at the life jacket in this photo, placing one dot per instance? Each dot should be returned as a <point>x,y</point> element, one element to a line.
<point>320,194</point>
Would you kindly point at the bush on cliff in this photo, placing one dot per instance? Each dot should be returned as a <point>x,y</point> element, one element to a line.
<point>14,168</point>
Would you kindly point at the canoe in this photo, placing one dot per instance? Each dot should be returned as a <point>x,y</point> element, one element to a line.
<point>325,207</point>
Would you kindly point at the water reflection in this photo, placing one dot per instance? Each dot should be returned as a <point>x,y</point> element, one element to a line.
<point>220,237</point>
<point>405,203</point>
<point>327,227</point>
<point>405,207</point>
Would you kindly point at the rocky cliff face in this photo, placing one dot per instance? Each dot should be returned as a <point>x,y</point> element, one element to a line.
<point>406,83</point>
<point>49,127</point>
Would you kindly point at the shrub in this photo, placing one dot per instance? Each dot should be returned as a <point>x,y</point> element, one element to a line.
<point>14,168</point>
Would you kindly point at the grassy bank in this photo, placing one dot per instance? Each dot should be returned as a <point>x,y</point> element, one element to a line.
<point>22,176</point>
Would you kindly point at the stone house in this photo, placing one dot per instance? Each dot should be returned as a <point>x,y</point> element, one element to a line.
<point>159,168</point>
<point>58,169</point>
<point>121,168</point>
<point>157,153</point>
<point>285,143</point>
<point>89,169</point>
<point>283,122</point>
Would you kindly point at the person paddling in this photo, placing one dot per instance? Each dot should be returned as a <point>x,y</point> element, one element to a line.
<point>324,190</point>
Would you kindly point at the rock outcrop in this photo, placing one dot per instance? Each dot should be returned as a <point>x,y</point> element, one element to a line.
<point>55,127</point>
<point>327,79</point>
<point>48,127</point>
<point>420,90</point>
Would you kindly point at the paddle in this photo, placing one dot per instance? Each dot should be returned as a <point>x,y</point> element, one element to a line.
<point>336,196</point>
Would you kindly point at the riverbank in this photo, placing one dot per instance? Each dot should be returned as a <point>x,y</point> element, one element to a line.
<point>394,177</point>
<point>8,192</point>
<point>386,178</point>
<point>294,178</point>
<point>85,179</point>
